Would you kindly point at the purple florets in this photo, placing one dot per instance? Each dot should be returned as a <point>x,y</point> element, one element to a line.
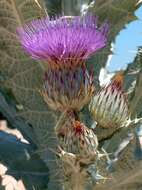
<point>63,40</point>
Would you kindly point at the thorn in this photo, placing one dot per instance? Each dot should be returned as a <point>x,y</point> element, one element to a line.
<point>104,154</point>
<point>36,1</point>
<point>132,122</point>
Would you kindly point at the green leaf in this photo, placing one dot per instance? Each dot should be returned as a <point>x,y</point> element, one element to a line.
<point>24,76</point>
<point>133,84</point>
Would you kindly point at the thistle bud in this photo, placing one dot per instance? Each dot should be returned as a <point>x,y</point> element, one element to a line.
<point>76,138</point>
<point>109,106</point>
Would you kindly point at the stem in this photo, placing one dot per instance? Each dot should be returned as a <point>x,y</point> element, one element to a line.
<point>75,175</point>
<point>78,181</point>
<point>63,119</point>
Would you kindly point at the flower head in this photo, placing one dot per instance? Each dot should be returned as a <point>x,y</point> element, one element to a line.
<point>63,41</point>
<point>76,138</point>
<point>109,106</point>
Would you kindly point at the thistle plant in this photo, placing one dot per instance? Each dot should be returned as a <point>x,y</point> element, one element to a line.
<point>86,156</point>
<point>65,44</point>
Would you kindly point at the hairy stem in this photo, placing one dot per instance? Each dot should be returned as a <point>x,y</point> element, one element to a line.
<point>78,181</point>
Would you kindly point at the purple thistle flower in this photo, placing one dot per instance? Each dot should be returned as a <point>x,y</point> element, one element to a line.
<point>63,41</point>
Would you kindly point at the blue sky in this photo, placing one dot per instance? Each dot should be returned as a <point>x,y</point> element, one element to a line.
<point>126,44</point>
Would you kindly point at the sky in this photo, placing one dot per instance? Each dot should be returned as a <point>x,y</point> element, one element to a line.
<point>126,44</point>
